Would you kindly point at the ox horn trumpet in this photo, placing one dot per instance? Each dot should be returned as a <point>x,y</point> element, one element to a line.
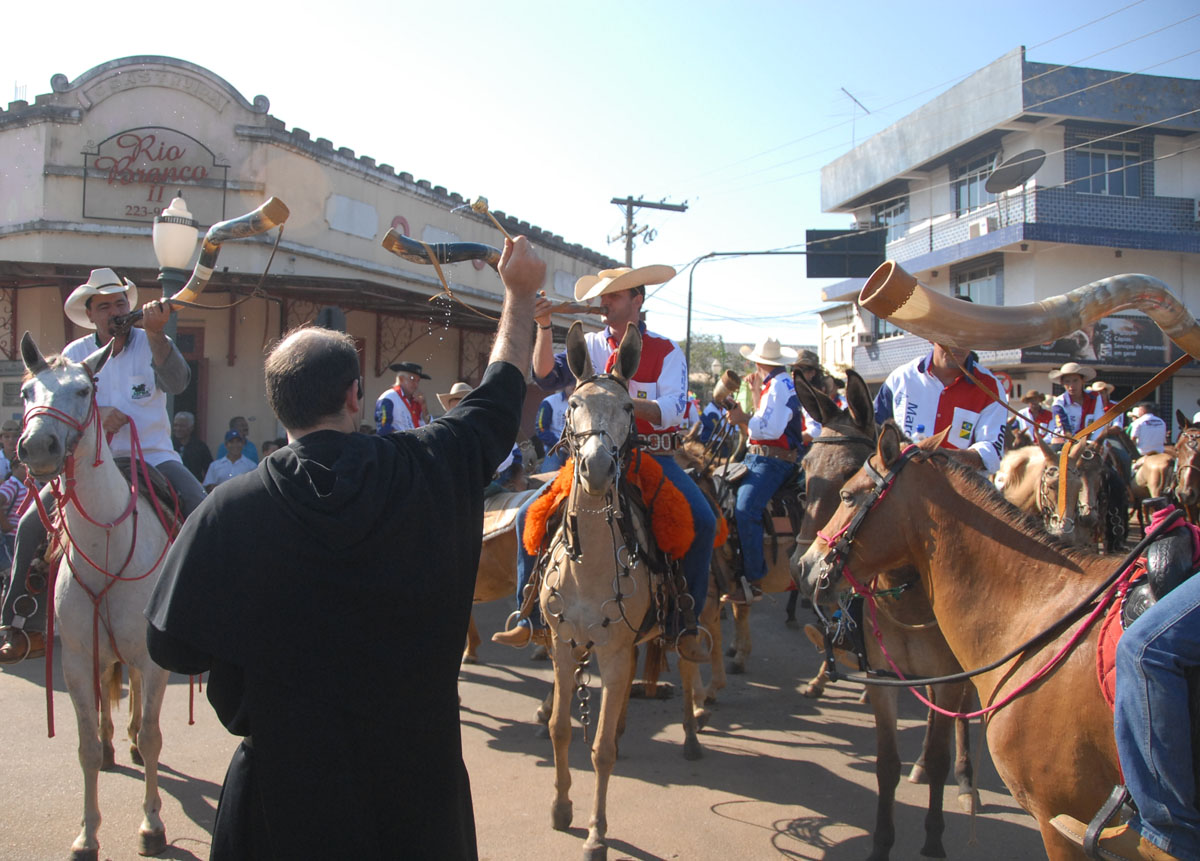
<point>415,251</point>
<point>896,296</point>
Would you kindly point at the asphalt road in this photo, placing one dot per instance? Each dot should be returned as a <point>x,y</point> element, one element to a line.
<point>781,777</point>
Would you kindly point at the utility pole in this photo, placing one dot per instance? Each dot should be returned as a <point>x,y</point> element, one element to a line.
<point>631,230</point>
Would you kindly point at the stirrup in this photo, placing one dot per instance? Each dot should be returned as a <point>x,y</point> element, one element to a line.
<point>10,630</point>
<point>1091,838</point>
<point>511,623</point>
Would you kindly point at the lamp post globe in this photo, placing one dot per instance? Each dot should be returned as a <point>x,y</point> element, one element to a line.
<point>715,367</point>
<point>174,235</point>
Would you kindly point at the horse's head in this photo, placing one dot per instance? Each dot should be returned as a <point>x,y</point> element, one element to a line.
<point>1187,462</point>
<point>865,533</point>
<point>1085,481</point>
<point>59,398</point>
<point>599,422</point>
<point>847,437</point>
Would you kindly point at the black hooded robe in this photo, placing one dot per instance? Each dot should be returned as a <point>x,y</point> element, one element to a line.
<point>328,592</point>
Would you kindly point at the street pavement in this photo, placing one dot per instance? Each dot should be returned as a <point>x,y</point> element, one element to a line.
<point>782,776</point>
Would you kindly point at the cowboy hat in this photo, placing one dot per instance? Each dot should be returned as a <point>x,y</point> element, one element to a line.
<point>409,368</point>
<point>768,352</point>
<point>808,359</point>
<point>1101,386</point>
<point>613,280</point>
<point>102,282</point>
<point>1073,368</point>
<point>1033,396</point>
<point>457,392</point>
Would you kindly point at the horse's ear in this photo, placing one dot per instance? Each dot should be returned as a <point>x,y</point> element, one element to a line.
<point>858,402</point>
<point>1051,457</point>
<point>629,354</point>
<point>96,360</point>
<point>1184,424</point>
<point>889,445</point>
<point>31,355</point>
<point>577,354</point>
<point>817,404</point>
<point>935,442</point>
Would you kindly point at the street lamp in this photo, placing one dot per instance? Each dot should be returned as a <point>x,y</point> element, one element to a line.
<point>174,236</point>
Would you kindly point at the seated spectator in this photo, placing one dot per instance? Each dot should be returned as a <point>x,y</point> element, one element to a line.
<point>233,463</point>
<point>270,446</point>
<point>10,432</point>
<point>195,454</point>
<point>239,424</point>
<point>12,495</point>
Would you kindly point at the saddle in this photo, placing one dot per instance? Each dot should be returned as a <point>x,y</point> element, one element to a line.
<point>159,487</point>
<point>784,513</point>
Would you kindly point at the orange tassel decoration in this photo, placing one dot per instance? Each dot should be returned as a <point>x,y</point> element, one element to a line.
<point>670,515</point>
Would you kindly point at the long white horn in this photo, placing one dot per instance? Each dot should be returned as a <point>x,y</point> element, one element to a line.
<point>896,296</point>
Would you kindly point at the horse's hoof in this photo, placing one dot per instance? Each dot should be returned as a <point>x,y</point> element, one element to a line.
<point>731,651</point>
<point>812,691</point>
<point>560,815</point>
<point>85,854</point>
<point>692,749</point>
<point>792,624</point>
<point>470,659</point>
<point>933,849</point>
<point>152,842</point>
<point>136,755</point>
<point>595,853</point>
<point>918,774</point>
<point>736,668</point>
<point>968,802</point>
<point>710,698</point>
<point>702,718</point>
<point>542,731</point>
<point>108,758</point>
<point>539,653</point>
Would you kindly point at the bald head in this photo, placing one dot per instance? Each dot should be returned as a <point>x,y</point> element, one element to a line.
<point>307,374</point>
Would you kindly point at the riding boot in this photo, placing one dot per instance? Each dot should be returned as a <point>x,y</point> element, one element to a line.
<point>20,644</point>
<point>690,645</point>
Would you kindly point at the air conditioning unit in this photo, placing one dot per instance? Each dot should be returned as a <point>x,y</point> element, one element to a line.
<point>983,226</point>
<point>862,339</point>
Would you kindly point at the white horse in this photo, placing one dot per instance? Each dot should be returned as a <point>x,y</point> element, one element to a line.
<point>114,545</point>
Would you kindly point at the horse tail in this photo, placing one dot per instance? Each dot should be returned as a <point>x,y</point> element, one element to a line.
<point>114,678</point>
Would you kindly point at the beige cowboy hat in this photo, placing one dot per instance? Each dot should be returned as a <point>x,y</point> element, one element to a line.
<point>768,352</point>
<point>1101,386</point>
<point>808,359</point>
<point>1073,368</point>
<point>102,282</point>
<point>614,280</point>
<point>457,392</point>
<point>1033,396</point>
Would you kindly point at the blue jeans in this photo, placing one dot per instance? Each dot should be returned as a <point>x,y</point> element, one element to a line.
<point>764,476</point>
<point>1151,719</point>
<point>554,461</point>
<point>695,561</point>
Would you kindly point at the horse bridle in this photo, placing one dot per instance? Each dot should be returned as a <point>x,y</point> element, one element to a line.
<point>835,564</point>
<point>1190,440</point>
<point>575,439</point>
<point>1048,502</point>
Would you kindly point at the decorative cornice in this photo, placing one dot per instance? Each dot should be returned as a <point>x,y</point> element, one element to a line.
<point>100,82</point>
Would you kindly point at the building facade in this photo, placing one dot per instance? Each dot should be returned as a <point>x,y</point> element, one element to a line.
<point>85,168</point>
<point>1097,173</point>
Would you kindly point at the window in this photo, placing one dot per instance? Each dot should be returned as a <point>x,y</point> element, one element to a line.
<point>969,193</point>
<point>980,285</point>
<point>894,216</point>
<point>1109,167</point>
<point>884,329</point>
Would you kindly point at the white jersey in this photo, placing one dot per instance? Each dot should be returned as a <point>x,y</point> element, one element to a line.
<point>1149,433</point>
<point>127,382</point>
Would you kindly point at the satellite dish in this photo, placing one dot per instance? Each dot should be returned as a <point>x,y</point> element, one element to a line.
<point>1015,171</point>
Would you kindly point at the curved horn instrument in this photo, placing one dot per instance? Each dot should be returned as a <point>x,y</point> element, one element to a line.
<point>415,251</point>
<point>270,215</point>
<point>896,296</point>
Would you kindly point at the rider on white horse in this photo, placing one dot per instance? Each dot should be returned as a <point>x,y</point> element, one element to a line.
<point>131,390</point>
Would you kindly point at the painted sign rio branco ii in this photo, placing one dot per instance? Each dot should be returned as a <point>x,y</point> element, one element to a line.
<point>132,176</point>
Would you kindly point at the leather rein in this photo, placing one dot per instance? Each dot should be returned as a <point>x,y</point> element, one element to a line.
<point>835,565</point>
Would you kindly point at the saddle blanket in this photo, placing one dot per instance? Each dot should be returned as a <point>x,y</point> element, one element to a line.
<point>500,511</point>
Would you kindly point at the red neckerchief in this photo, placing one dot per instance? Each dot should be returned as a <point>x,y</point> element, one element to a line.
<point>414,409</point>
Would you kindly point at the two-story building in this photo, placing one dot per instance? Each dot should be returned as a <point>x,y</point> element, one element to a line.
<point>86,168</point>
<point>1096,173</point>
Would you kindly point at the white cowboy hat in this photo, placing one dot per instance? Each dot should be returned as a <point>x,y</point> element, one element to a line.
<point>102,282</point>
<point>768,352</point>
<point>613,280</point>
<point>457,392</point>
<point>1073,368</point>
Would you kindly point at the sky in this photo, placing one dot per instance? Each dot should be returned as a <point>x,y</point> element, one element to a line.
<point>552,109</point>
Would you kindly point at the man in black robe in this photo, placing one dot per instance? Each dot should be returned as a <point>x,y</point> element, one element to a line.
<point>329,591</point>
